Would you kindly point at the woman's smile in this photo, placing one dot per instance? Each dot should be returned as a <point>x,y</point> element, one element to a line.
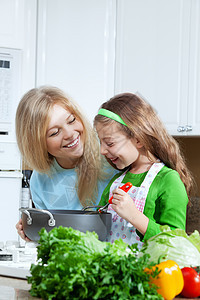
<point>73,144</point>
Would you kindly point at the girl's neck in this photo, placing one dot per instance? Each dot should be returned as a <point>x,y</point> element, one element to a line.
<point>142,164</point>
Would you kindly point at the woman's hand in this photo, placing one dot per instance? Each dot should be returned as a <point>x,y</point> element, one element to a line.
<point>125,207</point>
<point>20,231</point>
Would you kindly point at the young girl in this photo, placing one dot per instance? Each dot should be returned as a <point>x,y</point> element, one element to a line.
<point>60,145</point>
<point>134,140</point>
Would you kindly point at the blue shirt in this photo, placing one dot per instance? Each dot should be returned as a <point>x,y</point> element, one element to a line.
<point>58,190</point>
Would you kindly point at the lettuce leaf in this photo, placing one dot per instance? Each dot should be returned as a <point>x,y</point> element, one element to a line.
<point>176,245</point>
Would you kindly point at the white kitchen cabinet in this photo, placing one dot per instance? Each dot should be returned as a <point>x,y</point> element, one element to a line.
<point>18,49</point>
<point>158,55</point>
<point>18,31</point>
<point>76,47</point>
<point>193,107</point>
<point>11,23</point>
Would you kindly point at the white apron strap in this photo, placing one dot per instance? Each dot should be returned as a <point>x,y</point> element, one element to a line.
<point>144,188</point>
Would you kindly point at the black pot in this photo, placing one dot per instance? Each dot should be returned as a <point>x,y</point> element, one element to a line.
<point>83,220</point>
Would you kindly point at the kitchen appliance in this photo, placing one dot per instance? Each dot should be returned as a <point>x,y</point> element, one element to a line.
<point>10,161</point>
<point>34,219</point>
<point>10,187</point>
<point>16,261</point>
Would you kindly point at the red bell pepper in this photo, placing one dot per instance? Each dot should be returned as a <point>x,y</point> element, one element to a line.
<point>191,288</point>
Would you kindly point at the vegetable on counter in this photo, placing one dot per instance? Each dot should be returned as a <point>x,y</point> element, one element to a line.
<point>75,265</point>
<point>169,280</point>
<point>191,287</point>
<point>174,245</point>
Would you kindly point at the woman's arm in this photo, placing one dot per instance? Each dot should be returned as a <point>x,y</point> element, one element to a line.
<point>20,231</point>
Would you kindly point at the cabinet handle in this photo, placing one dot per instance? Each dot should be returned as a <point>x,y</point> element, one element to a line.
<point>188,128</point>
<point>181,128</point>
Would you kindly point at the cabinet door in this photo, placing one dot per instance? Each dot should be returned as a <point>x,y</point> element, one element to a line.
<point>76,49</point>
<point>18,31</point>
<point>11,23</point>
<point>193,107</point>
<point>152,55</point>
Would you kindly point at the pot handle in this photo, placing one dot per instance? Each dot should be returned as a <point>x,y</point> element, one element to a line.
<point>51,221</point>
<point>29,219</point>
<point>88,207</point>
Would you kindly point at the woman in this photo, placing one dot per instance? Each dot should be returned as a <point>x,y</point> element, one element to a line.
<point>59,144</point>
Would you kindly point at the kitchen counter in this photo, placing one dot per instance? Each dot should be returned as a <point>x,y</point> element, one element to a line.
<point>13,288</point>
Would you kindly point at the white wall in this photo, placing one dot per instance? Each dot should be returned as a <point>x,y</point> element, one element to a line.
<point>76,49</point>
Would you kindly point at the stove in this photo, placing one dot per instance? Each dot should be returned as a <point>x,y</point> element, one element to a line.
<point>16,261</point>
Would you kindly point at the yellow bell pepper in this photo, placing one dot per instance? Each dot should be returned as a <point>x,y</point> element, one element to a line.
<point>170,279</point>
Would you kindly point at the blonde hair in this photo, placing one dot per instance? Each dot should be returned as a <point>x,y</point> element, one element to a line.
<point>32,119</point>
<point>144,124</point>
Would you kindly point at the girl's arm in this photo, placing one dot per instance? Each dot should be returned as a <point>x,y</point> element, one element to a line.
<point>166,204</point>
<point>126,209</point>
<point>105,194</point>
<point>170,204</point>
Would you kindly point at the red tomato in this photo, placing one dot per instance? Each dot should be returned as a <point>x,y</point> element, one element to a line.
<point>191,287</point>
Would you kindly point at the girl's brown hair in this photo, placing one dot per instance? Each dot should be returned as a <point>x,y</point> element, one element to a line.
<point>144,124</point>
<point>32,119</point>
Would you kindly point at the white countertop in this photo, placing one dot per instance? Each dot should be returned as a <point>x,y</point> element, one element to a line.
<point>13,288</point>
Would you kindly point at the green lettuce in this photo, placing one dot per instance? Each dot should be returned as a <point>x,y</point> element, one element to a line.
<point>176,245</point>
<point>76,265</point>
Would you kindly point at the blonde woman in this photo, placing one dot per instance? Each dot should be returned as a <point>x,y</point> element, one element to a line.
<point>59,144</point>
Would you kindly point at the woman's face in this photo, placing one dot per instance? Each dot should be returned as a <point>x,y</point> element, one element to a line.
<point>116,146</point>
<point>65,138</point>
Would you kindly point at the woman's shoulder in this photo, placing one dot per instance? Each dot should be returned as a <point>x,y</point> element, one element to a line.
<point>35,176</point>
<point>54,173</point>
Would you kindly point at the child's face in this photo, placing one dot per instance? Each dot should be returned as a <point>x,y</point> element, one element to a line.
<point>116,146</point>
<point>65,138</point>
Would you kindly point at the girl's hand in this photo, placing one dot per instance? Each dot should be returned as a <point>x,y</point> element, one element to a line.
<point>20,231</point>
<point>125,207</point>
